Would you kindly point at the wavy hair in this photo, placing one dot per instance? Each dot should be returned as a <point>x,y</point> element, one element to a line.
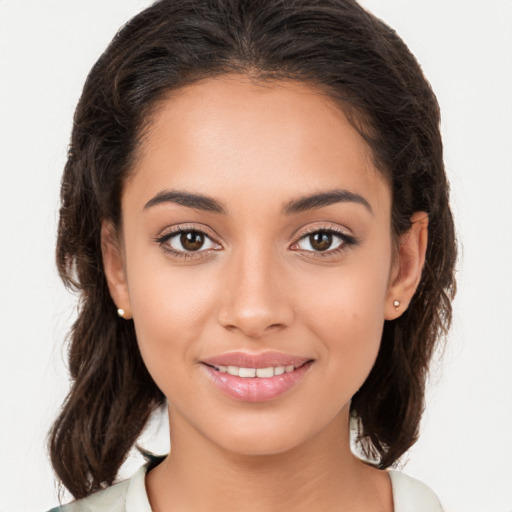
<point>333,45</point>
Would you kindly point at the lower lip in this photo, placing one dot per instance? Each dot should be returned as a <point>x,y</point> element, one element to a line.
<point>256,389</point>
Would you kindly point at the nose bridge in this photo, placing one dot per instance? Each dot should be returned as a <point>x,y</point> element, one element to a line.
<point>254,300</point>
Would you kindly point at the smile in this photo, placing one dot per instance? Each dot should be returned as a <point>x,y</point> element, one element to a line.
<point>256,378</point>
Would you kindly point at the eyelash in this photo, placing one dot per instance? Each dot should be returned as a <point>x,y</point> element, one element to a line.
<point>162,239</point>
<point>347,241</point>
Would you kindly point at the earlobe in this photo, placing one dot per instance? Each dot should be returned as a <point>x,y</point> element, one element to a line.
<point>408,267</point>
<point>114,265</point>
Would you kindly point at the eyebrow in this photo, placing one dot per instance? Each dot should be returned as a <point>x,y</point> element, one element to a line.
<point>309,202</point>
<point>323,199</point>
<point>197,201</point>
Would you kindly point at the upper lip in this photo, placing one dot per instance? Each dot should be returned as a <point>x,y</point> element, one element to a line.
<point>260,360</point>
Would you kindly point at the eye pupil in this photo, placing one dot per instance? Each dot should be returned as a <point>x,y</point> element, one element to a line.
<point>192,240</point>
<point>320,241</point>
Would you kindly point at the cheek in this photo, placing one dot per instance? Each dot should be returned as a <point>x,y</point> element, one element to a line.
<point>347,316</point>
<point>350,325</point>
<point>170,306</point>
<point>352,296</point>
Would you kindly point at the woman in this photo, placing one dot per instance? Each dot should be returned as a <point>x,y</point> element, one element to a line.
<point>255,212</point>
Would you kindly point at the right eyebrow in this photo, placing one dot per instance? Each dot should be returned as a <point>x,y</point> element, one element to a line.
<point>197,201</point>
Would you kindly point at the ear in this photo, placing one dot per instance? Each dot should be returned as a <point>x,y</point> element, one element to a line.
<point>408,266</point>
<point>114,265</point>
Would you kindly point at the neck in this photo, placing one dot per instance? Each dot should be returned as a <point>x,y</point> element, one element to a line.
<point>320,474</point>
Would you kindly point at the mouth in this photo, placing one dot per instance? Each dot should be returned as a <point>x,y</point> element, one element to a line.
<point>256,378</point>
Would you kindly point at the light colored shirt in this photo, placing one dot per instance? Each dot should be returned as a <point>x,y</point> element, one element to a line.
<point>409,495</point>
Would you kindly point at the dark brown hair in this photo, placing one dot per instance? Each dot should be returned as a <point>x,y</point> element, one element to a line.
<point>334,45</point>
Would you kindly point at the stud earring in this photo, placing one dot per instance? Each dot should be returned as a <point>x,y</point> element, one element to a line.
<point>396,303</point>
<point>120,312</point>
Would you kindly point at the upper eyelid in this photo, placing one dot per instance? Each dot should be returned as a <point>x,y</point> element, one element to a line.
<point>184,228</point>
<point>330,229</point>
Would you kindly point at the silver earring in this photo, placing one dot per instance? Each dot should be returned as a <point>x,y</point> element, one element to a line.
<point>120,312</point>
<point>396,303</point>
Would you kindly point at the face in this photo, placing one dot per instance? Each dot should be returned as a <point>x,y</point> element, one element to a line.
<point>256,260</point>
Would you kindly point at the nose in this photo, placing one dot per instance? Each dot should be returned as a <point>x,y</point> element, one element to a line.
<point>256,300</point>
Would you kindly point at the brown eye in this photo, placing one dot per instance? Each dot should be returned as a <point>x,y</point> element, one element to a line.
<point>320,241</point>
<point>324,241</point>
<point>192,240</point>
<point>187,241</point>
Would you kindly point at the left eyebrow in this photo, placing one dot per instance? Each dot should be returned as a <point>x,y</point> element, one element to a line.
<point>322,199</point>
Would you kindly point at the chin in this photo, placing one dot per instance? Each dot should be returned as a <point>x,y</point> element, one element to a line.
<point>264,435</point>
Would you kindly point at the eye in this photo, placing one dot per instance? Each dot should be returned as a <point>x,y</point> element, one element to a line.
<point>324,241</point>
<point>187,241</point>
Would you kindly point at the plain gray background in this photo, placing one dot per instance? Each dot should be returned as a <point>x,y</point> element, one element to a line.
<point>465,47</point>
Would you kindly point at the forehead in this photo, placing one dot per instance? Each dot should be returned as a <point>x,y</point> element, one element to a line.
<point>234,135</point>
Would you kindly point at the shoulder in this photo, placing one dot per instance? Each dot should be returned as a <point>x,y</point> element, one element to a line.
<point>112,499</point>
<point>411,494</point>
<point>127,496</point>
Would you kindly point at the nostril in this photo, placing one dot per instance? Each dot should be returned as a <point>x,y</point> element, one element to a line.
<point>274,326</point>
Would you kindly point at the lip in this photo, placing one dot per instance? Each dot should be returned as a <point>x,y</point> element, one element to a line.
<point>256,389</point>
<point>260,360</point>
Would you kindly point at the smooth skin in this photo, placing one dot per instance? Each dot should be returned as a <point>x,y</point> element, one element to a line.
<point>317,283</point>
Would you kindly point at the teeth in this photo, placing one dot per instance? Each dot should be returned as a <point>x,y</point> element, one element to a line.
<point>256,372</point>
<point>233,370</point>
<point>247,372</point>
<point>265,372</point>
